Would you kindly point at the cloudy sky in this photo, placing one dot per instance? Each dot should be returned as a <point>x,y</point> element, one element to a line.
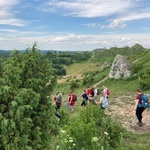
<point>74,24</point>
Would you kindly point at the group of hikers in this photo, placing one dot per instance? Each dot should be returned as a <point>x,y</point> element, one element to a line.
<point>90,95</point>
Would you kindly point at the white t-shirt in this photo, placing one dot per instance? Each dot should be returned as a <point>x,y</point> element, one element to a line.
<point>104,102</point>
<point>95,91</point>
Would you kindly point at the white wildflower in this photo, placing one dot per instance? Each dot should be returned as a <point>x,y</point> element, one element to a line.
<point>106,133</point>
<point>63,131</point>
<point>57,147</point>
<point>70,141</point>
<point>94,139</point>
<point>70,138</point>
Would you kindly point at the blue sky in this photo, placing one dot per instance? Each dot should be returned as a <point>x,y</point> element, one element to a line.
<point>74,24</point>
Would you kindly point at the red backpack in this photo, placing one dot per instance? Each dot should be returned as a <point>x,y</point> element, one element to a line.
<point>74,97</point>
<point>108,92</point>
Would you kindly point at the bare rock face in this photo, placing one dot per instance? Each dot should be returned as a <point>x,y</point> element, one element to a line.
<point>121,68</point>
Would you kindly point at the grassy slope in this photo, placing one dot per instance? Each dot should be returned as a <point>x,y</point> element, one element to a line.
<point>76,71</point>
<point>118,87</point>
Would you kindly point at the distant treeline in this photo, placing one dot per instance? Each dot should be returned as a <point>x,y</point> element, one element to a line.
<point>60,59</point>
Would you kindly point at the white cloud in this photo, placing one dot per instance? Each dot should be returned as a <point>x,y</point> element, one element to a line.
<point>8,30</point>
<point>88,8</point>
<point>125,39</point>
<point>117,24</point>
<point>92,25</point>
<point>7,14</point>
<point>137,15</point>
<point>120,11</point>
<point>76,42</point>
<point>12,22</point>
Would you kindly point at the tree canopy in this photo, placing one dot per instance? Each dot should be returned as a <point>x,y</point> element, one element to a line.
<point>26,113</point>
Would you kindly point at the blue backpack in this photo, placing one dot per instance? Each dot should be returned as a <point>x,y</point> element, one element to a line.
<point>145,101</point>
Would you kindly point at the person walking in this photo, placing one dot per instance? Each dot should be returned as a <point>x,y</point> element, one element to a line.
<point>96,92</point>
<point>84,98</point>
<point>58,100</point>
<point>103,101</point>
<point>138,108</point>
<point>106,91</point>
<point>71,100</point>
<point>89,91</point>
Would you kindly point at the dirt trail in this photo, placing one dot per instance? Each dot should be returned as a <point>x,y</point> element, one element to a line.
<point>101,81</point>
<point>121,109</point>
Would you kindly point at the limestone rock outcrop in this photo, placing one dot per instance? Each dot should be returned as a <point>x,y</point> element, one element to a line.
<point>121,68</point>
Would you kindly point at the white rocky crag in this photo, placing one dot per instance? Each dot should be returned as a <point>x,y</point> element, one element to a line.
<point>121,68</point>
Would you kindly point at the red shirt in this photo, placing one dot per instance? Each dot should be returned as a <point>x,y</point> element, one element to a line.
<point>139,98</point>
<point>70,99</point>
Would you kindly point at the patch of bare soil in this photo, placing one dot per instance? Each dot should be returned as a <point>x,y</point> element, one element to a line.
<point>121,109</point>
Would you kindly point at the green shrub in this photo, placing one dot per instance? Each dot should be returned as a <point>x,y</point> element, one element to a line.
<point>136,68</point>
<point>90,129</point>
<point>144,78</point>
<point>74,84</point>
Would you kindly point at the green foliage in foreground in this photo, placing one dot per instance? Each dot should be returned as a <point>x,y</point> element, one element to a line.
<point>90,129</point>
<point>26,114</point>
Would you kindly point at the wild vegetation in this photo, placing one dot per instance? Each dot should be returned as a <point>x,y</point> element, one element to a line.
<point>29,81</point>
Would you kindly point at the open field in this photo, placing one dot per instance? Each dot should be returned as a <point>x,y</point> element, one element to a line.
<point>76,71</point>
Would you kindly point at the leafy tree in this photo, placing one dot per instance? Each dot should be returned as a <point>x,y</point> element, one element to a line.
<point>26,113</point>
<point>59,70</point>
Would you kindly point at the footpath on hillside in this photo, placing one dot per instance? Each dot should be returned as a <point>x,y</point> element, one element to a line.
<point>121,109</point>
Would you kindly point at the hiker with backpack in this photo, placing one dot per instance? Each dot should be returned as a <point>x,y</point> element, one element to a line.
<point>89,91</point>
<point>84,98</point>
<point>58,100</point>
<point>106,91</point>
<point>96,92</point>
<point>103,101</point>
<point>91,99</point>
<point>138,107</point>
<point>71,100</point>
